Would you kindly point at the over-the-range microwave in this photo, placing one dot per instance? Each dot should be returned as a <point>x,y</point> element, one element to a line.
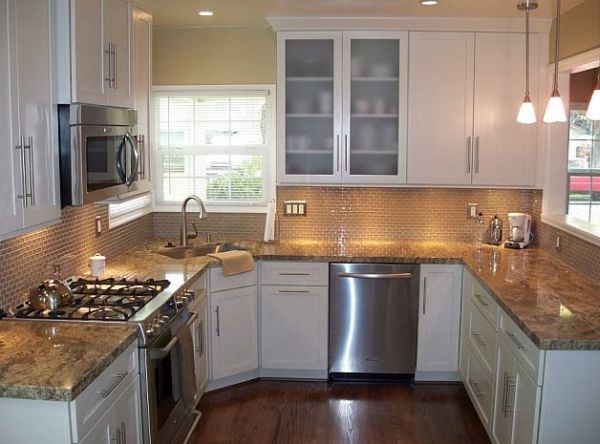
<point>100,154</point>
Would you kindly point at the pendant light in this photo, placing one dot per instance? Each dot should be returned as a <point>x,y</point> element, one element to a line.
<point>526,112</point>
<point>593,112</point>
<point>555,110</point>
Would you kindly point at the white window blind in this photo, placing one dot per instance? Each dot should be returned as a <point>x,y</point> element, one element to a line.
<point>125,211</point>
<point>215,144</point>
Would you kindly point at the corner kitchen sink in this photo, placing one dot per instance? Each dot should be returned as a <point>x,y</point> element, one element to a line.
<point>196,250</point>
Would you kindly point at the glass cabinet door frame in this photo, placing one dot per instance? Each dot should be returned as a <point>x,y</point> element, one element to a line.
<point>282,176</point>
<point>400,177</point>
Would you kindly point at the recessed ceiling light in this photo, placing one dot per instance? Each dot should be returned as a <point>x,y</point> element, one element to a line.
<point>428,2</point>
<point>206,13</point>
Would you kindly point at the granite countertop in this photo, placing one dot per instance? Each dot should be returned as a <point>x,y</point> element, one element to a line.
<point>554,304</point>
<point>56,360</point>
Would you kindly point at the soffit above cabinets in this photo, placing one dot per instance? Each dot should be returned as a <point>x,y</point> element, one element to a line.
<point>253,13</point>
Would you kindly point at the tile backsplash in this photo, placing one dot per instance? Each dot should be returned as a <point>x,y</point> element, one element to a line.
<point>406,214</point>
<point>26,260</point>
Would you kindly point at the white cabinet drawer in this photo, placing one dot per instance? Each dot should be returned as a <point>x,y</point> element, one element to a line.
<point>482,338</point>
<point>91,404</point>
<point>522,347</point>
<point>220,282</point>
<point>485,302</point>
<point>480,389</point>
<point>294,273</point>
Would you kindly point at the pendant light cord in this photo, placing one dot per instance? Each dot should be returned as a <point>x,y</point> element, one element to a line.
<point>556,47</point>
<point>527,50</point>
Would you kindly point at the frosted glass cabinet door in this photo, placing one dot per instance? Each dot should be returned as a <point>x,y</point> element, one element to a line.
<point>310,94</point>
<point>375,70</point>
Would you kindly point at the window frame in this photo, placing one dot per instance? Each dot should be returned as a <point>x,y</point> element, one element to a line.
<point>556,184</point>
<point>269,160</point>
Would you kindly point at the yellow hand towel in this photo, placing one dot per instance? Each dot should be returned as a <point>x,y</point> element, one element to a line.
<point>235,261</point>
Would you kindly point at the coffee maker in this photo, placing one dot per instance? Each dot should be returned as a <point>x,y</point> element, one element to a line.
<point>519,230</point>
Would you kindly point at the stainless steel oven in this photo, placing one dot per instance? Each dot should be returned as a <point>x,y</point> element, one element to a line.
<point>100,156</point>
<point>166,416</point>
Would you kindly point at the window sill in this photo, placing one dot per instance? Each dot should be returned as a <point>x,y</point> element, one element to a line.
<point>256,209</point>
<point>576,227</point>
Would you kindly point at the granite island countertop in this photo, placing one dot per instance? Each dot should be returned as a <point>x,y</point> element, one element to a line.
<point>554,304</point>
<point>56,361</point>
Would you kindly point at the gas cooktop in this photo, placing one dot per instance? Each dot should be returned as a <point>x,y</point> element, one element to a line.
<point>100,300</point>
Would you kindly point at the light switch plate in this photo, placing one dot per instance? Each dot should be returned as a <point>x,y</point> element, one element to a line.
<point>472,210</point>
<point>294,208</point>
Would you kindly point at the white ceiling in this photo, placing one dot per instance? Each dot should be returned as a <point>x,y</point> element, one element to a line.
<point>252,13</point>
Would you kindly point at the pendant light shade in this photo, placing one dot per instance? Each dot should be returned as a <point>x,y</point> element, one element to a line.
<point>526,112</point>
<point>593,112</point>
<point>555,110</point>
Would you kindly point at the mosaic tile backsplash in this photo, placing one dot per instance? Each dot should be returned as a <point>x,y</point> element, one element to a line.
<point>26,260</point>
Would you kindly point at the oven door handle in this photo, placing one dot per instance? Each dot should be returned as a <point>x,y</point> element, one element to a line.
<point>159,353</point>
<point>135,158</point>
<point>192,319</point>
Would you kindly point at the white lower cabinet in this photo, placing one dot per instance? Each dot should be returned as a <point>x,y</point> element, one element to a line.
<point>439,322</point>
<point>294,319</point>
<point>294,328</point>
<point>122,422</point>
<point>234,324</point>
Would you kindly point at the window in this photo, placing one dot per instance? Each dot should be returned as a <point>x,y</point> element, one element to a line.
<point>583,168</point>
<point>217,143</point>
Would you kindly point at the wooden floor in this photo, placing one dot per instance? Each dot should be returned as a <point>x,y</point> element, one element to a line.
<point>318,412</point>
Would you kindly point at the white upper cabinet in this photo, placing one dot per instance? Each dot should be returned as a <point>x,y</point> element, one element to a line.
<point>29,171</point>
<point>465,93</point>
<point>504,150</point>
<point>342,107</point>
<point>440,109</point>
<point>101,52</point>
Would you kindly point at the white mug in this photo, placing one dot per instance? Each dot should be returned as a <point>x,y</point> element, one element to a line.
<point>97,264</point>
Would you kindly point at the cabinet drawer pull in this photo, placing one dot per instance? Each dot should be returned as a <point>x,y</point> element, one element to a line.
<point>513,337</point>
<point>339,154</point>
<point>424,295</point>
<point>475,388</point>
<point>479,339</point>
<point>476,160</point>
<point>504,392</point>
<point>200,337</point>
<point>346,152</point>
<point>21,148</point>
<point>31,170</point>
<point>108,53</point>
<point>481,299</point>
<point>469,155</point>
<point>118,378</point>
<point>218,321</point>
<point>293,291</point>
<point>294,274</point>
<point>114,79</point>
<point>123,433</point>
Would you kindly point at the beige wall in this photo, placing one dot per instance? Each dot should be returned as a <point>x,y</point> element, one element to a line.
<point>214,56</point>
<point>579,30</point>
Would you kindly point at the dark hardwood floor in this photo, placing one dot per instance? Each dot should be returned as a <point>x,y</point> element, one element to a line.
<point>318,412</point>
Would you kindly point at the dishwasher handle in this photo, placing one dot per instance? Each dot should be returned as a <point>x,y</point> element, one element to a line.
<point>375,275</point>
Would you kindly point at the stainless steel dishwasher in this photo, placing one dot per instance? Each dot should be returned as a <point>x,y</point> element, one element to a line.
<point>373,315</point>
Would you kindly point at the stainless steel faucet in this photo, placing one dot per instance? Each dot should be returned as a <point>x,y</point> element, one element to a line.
<point>184,236</point>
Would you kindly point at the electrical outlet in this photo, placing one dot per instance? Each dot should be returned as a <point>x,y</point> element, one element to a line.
<point>98,223</point>
<point>472,210</point>
<point>294,208</point>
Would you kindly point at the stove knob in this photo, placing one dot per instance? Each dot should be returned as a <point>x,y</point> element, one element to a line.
<point>180,302</point>
<point>150,331</point>
<point>190,295</point>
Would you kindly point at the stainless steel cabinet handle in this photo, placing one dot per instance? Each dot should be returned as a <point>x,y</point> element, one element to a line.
<point>376,275</point>
<point>159,353</point>
<point>294,274</point>
<point>201,337</point>
<point>346,152</point>
<point>475,388</point>
<point>479,339</point>
<point>339,155</point>
<point>293,291</point>
<point>108,52</point>
<point>23,171</point>
<point>118,378</point>
<point>30,171</point>
<point>477,155</point>
<point>513,337</point>
<point>114,80</point>
<point>511,383</point>
<point>504,393</point>
<point>424,295</point>
<point>218,321</point>
<point>469,154</point>
<point>481,300</point>
<point>124,432</point>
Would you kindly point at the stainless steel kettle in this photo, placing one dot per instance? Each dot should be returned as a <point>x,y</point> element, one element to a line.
<point>51,295</point>
<point>495,231</point>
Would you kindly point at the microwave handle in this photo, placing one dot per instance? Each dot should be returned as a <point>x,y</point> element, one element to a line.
<point>135,159</point>
<point>120,170</point>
